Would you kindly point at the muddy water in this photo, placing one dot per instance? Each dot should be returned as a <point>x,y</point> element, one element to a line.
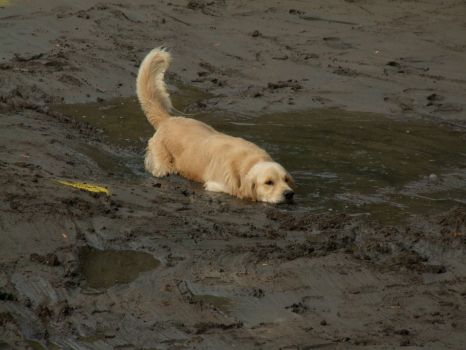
<point>106,268</point>
<point>362,163</point>
<point>117,164</point>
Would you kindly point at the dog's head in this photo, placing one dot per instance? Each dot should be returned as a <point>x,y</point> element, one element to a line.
<point>270,182</point>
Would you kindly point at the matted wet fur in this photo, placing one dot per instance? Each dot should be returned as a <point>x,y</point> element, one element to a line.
<point>198,152</point>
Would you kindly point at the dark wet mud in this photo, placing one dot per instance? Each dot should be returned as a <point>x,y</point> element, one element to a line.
<point>160,262</point>
<point>362,101</point>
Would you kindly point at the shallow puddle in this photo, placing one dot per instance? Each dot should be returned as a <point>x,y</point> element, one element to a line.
<point>364,163</point>
<point>106,268</point>
<point>122,166</point>
<point>361,163</point>
<point>121,119</point>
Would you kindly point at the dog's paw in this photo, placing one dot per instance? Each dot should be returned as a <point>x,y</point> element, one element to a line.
<point>155,168</point>
<point>159,173</point>
<point>213,186</point>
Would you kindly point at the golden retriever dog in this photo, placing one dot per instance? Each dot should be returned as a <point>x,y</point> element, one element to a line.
<point>198,152</point>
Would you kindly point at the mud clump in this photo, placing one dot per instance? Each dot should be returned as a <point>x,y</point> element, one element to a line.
<point>297,308</point>
<point>196,4</point>
<point>454,223</point>
<point>204,327</point>
<point>50,259</point>
<point>5,318</point>
<point>308,222</point>
<point>5,296</point>
<point>292,84</point>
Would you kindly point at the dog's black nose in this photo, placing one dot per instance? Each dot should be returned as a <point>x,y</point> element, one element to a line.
<point>288,195</point>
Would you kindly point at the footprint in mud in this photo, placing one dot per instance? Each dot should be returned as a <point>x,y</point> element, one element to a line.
<point>404,65</point>
<point>222,304</point>
<point>336,43</point>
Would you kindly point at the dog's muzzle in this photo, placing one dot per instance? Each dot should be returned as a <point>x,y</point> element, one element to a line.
<point>288,195</point>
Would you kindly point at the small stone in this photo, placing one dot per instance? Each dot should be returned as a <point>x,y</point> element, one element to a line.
<point>402,332</point>
<point>393,64</point>
<point>433,178</point>
<point>323,323</point>
<point>295,12</point>
<point>195,4</point>
<point>435,97</point>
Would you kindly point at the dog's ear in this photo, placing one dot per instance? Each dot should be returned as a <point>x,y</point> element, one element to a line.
<point>291,182</point>
<point>252,186</point>
<point>248,188</point>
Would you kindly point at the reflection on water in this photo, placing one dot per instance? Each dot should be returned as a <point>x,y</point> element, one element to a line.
<point>357,162</point>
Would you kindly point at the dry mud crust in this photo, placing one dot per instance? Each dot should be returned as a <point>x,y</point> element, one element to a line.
<point>261,56</point>
<point>224,272</point>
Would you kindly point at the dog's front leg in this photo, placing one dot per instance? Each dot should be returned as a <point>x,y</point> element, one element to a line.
<point>214,186</point>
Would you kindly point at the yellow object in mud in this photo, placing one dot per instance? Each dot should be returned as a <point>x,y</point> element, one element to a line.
<point>84,186</point>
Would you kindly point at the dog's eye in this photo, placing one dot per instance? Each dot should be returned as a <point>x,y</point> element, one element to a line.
<point>269,182</point>
<point>287,180</point>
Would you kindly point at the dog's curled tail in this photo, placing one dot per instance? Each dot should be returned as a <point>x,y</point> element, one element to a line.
<point>150,86</point>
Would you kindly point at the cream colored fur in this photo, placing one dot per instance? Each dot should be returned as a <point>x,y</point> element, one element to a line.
<point>198,152</point>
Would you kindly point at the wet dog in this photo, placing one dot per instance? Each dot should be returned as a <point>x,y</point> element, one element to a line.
<point>198,152</point>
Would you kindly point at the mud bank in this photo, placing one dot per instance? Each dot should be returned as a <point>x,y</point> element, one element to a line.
<point>399,58</point>
<point>160,263</point>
